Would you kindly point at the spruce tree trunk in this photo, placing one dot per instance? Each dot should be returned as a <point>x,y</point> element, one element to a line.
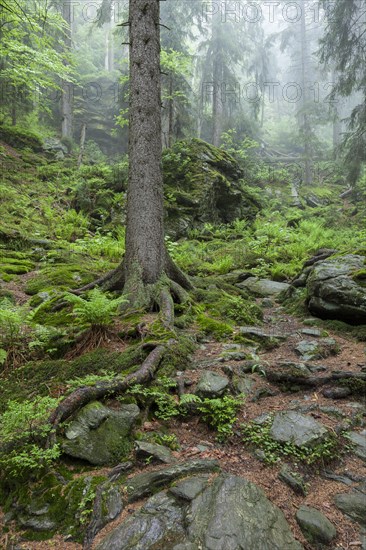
<point>145,251</point>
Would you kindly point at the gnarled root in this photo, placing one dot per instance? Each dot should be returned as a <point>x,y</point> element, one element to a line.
<point>85,394</point>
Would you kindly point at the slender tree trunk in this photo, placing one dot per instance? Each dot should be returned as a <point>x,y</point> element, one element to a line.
<point>170,112</point>
<point>305,118</point>
<point>145,250</point>
<point>82,144</point>
<point>67,87</point>
<point>217,75</point>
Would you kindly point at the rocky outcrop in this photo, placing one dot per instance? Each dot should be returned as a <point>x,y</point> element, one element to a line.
<point>336,287</point>
<point>230,512</point>
<point>203,184</point>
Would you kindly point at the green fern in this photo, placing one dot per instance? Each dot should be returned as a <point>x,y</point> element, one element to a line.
<point>96,311</point>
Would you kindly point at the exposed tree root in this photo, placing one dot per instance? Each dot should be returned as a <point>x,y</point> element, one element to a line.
<point>85,394</point>
<point>115,279</point>
<point>93,338</point>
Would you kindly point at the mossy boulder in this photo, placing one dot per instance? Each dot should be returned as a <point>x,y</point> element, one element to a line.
<point>18,137</point>
<point>336,289</point>
<point>203,184</point>
<point>99,434</point>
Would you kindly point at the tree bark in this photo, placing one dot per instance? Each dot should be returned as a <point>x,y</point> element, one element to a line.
<point>308,177</point>
<point>145,248</point>
<point>82,144</point>
<point>67,92</point>
<point>217,76</point>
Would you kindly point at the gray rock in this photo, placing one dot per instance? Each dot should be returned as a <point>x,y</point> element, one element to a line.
<point>261,334</point>
<point>100,435</point>
<point>311,332</point>
<point>352,505</point>
<point>146,483</point>
<point>231,513</point>
<point>334,292</point>
<point>107,506</point>
<point>339,392</point>
<point>288,371</point>
<point>297,428</point>
<point>212,384</point>
<point>359,440</point>
<point>234,356</point>
<point>312,349</point>
<point>242,384</point>
<point>37,523</point>
<point>293,480</point>
<point>315,526</point>
<point>158,452</point>
<point>190,488</point>
<point>159,524</point>
<point>263,287</point>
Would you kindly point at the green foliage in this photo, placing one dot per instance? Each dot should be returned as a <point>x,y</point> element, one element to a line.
<point>169,440</point>
<point>96,311</point>
<point>220,414</point>
<point>159,396</point>
<point>258,435</point>
<point>90,380</point>
<point>23,429</point>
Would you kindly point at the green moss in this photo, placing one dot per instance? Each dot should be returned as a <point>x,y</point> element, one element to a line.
<point>213,327</point>
<point>18,137</point>
<point>360,277</point>
<point>178,356</point>
<point>357,386</point>
<point>62,277</point>
<point>49,377</point>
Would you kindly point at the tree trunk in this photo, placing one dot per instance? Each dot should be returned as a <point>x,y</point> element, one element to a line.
<point>308,178</point>
<point>82,144</point>
<point>145,249</point>
<point>146,267</point>
<point>67,92</point>
<point>170,112</point>
<point>217,76</point>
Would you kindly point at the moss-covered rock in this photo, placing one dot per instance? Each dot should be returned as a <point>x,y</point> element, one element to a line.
<point>99,434</point>
<point>203,184</point>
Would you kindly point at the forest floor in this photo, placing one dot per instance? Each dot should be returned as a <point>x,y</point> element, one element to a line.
<point>196,440</point>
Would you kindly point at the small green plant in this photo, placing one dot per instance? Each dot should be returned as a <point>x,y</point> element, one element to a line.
<point>158,396</point>
<point>220,414</point>
<point>12,333</point>
<point>85,506</point>
<point>98,310</point>
<point>169,440</point>
<point>24,428</point>
<point>259,436</point>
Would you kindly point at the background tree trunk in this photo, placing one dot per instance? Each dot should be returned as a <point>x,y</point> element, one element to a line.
<point>67,87</point>
<point>308,177</point>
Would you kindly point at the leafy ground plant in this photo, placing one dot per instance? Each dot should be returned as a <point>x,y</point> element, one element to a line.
<point>24,428</point>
